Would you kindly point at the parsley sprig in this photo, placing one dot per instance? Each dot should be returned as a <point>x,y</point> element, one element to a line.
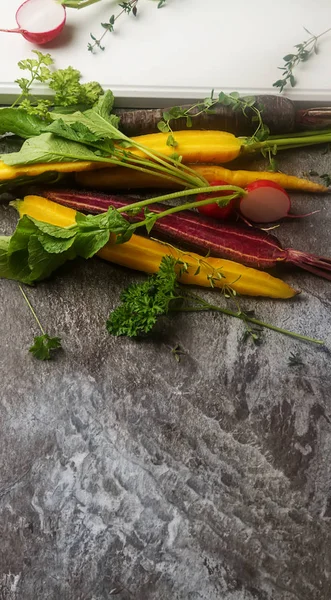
<point>64,83</point>
<point>43,345</point>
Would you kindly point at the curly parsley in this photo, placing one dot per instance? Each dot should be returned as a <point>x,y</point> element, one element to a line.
<point>65,83</point>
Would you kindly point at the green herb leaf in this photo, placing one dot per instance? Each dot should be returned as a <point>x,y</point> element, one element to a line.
<point>143,303</point>
<point>44,345</point>
<point>171,141</point>
<point>163,127</point>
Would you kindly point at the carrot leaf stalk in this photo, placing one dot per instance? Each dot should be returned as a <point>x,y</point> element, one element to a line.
<point>143,303</point>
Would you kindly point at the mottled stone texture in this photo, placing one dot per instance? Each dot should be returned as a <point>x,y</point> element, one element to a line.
<point>127,474</point>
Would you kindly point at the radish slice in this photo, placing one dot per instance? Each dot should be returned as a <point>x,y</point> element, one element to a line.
<point>39,21</point>
<point>265,202</point>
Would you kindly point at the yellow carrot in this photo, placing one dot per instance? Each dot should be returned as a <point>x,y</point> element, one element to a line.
<point>119,179</point>
<point>144,254</point>
<point>193,146</point>
<point>8,173</point>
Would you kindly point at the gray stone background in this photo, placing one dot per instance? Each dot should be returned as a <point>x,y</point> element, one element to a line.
<point>126,474</point>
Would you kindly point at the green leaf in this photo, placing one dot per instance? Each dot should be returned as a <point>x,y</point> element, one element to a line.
<point>162,126</point>
<point>171,141</point>
<point>48,148</point>
<point>4,265</point>
<point>44,345</point>
<point>288,57</point>
<point>19,122</point>
<point>36,249</point>
<point>176,112</point>
<point>143,303</point>
<point>77,131</point>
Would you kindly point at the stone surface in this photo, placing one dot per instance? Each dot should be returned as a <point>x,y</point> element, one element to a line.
<point>127,474</point>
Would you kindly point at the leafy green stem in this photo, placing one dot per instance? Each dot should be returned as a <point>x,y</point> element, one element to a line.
<point>303,53</point>
<point>127,6</point>
<point>203,305</point>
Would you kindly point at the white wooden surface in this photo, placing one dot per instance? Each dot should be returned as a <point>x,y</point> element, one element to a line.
<point>185,49</point>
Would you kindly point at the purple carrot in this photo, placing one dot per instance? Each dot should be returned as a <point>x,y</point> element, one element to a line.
<point>246,245</point>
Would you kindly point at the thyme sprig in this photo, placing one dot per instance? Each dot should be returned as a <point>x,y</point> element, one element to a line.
<point>304,51</point>
<point>247,105</point>
<point>128,7</point>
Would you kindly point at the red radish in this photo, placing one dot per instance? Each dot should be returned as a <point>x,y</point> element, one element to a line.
<point>39,21</point>
<point>213,210</point>
<point>265,202</point>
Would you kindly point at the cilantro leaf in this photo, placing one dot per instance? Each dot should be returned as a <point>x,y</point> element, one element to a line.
<point>44,345</point>
<point>143,303</point>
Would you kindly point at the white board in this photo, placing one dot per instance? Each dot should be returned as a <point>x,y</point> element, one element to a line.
<point>184,49</point>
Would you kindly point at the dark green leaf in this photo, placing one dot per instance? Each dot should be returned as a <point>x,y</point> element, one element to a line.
<point>44,345</point>
<point>48,148</point>
<point>77,131</point>
<point>288,57</point>
<point>19,122</point>
<point>36,249</point>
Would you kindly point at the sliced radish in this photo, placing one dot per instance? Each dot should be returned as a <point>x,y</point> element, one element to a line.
<point>265,202</point>
<point>213,210</point>
<point>39,21</point>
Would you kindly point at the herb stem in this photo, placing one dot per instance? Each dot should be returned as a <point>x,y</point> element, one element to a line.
<point>32,310</point>
<point>130,3</point>
<point>205,306</point>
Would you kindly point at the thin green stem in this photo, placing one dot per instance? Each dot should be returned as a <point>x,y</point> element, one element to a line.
<point>184,193</point>
<point>168,168</point>
<point>284,143</point>
<point>78,3</point>
<point>189,205</point>
<point>170,164</point>
<point>205,306</point>
<point>23,94</point>
<point>32,309</point>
